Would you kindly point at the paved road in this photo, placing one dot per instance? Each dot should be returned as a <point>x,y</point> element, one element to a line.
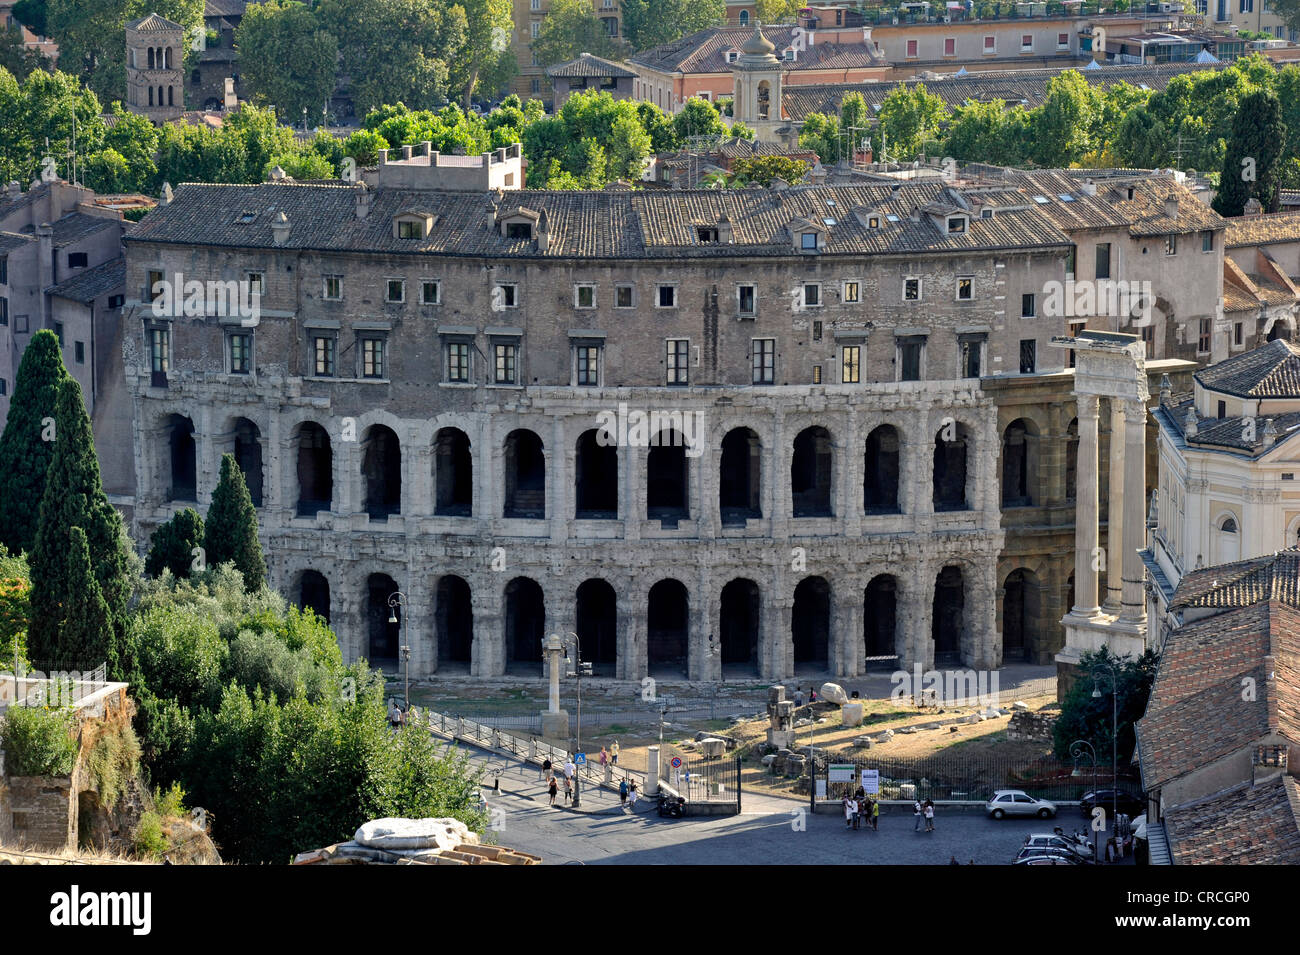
<point>770,831</point>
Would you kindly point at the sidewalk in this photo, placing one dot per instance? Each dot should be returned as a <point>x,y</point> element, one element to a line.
<point>524,781</point>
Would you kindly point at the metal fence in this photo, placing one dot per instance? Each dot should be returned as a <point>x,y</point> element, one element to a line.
<point>604,717</point>
<point>715,781</point>
<point>50,687</point>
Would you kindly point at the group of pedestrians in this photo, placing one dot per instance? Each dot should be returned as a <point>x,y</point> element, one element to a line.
<point>924,812</point>
<point>553,785</point>
<point>627,794</point>
<point>860,810</point>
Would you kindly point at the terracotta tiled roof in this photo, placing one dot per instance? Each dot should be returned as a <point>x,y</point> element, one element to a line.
<point>1244,825</point>
<point>705,52</point>
<point>1270,371</point>
<point>1010,86</point>
<point>1262,230</point>
<point>1243,583</point>
<point>224,8</point>
<point>590,66</point>
<point>92,283</point>
<point>1245,694</point>
<point>154,24</point>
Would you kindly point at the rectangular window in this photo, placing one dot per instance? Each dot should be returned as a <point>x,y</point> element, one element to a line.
<point>325,354</point>
<point>949,46</point>
<point>678,360</point>
<point>160,350</point>
<point>153,280</point>
<point>1149,339</point>
<point>507,296</point>
<point>956,225</point>
<point>372,357</point>
<point>911,48</point>
<point>1069,262</point>
<point>764,361</point>
<point>1171,245</point>
<point>519,230</point>
<point>1203,340</point>
<point>587,358</point>
<point>241,353</point>
<point>972,357</point>
<point>708,235</point>
<point>852,293</point>
<point>668,296</point>
<point>1062,41</point>
<point>808,241</point>
<point>1026,43</point>
<point>584,296</point>
<point>812,295</point>
<point>256,283</point>
<point>911,290</point>
<point>623,296</point>
<point>817,331</point>
<point>990,44</point>
<point>77,260</point>
<point>851,365</point>
<point>79,349</point>
<point>4,310</point>
<point>4,270</point>
<point>430,292</point>
<point>505,359</point>
<point>57,328</point>
<point>1028,356</point>
<point>1237,332</point>
<point>965,288</point>
<point>333,289</point>
<point>534,4</point>
<point>116,301</point>
<point>1207,241</point>
<point>535,28</point>
<point>909,358</point>
<point>4,387</point>
<point>1103,261</point>
<point>1223,409</point>
<point>458,361</point>
<point>1028,306</point>
<point>394,291</point>
<point>745,299</point>
<point>817,375</point>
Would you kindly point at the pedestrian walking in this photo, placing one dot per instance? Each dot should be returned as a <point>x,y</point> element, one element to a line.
<point>546,768</point>
<point>631,795</point>
<point>568,788</point>
<point>850,813</point>
<point>929,816</point>
<point>875,815</point>
<point>553,789</point>
<point>613,753</point>
<point>604,757</point>
<point>622,793</point>
<point>812,696</point>
<point>798,698</point>
<point>918,813</point>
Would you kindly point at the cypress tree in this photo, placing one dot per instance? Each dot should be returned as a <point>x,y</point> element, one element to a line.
<point>230,533</point>
<point>172,545</point>
<point>86,631</point>
<point>1252,161</point>
<point>24,456</point>
<point>74,497</point>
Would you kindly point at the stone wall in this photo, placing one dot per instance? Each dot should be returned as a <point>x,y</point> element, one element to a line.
<point>1032,727</point>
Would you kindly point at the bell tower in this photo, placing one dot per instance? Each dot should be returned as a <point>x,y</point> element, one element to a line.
<point>757,79</point>
<point>155,71</point>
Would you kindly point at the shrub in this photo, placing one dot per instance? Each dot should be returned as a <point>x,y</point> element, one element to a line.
<point>38,742</point>
<point>171,802</point>
<point>113,760</point>
<point>149,840</point>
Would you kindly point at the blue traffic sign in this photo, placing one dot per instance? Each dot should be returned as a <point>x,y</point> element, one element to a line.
<point>580,759</point>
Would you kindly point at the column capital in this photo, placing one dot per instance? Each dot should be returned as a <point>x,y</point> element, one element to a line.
<point>1135,411</point>
<point>1088,406</point>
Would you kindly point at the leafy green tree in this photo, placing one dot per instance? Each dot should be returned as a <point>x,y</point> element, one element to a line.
<point>27,445</point>
<point>31,14</point>
<point>762,170</point>
<point>414,40</point>
<point>171,546</point>
<point>16,58</point>
<point>230,532</point>
<point>1092,719</point>
<point>86,630</point>
<point>648,23</point>
<point>698,117</point>
<point>909,117</point>
<point>975,135</point>
<point>663,135</point>
<point>569,29</point>
<point>287,57</point>
<point>74,497</point>
<point>821,134</point>
<point>107,171</point>
<point>1252,163</point>
<point>1288,10</point>
<point>135,139</point>
<point>590,142</point>
<point>16,146</point>
<point>38,741</point>
<point>777,11</point>
<point>486,56</point>
<point>15,609</point>
<point>1062,124</point>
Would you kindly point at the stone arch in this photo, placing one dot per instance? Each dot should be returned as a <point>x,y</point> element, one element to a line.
<point>525,474</point>
<point>595,468</point>
<point>744,18</point>
<point>880,622</point>
<point>953,476</point>
<point>315,465</point>
<point>740,626</point>
<point>810,624</point>
<point>668,474</point>
<point>525,625</point>
<point>668,628</point>
<point>1227,538</point>
<point>383,622</point>
<point>880,470</point>
<point>453,473</point>
<point>947,621</point>
<point>182,459</point>
<point>245,443</point>
<point>812,471</point>
<point>381,472</point>
<point>150,58</point>
<point>764,99</point>
<point>1020,464</point>
<point>1022,605</point>
<point>311,591</point>
<point>740,477</point>
<point>596,616</point>
<point>453,623</point>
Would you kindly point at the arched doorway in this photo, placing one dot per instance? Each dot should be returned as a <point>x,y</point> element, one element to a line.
<point>596,473</point>
<point>597,625</point>
<point>381,473</point>
<point>1019,464</point>
<point>248,455</point>
<point>314,594</point>
<point>880,622</point>
<point>453,621</point>
<point>738,625</point>
<point>315,470</point>
<point>739,477</point>
<point>947,620</point>
<point>950,479</point>
<point>525,623</point>
<point>811,470</point>
<point>1021,608</point>
<point>668,479</point>
<point>453,467</point>
<point>810,625</point>
<point>183,470</point>
<point>525,472</point>
<point>880,471</point>
<point>384,622</point>
<point>667,629</point>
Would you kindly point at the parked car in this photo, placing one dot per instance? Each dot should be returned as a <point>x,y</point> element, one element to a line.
<point>1125,802</point>
<point>1049,840</point>
<point>1014,802</point>
<point>1061,856</point>
<point>1044,860</point>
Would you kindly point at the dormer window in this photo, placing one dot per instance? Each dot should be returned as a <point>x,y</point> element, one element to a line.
<point>708,235</point>
<point>732,55</point>
<point>808,241</point>
<point>413,225</point>
<point>246,217</point>
<point>789,54</point>
<point>409,229</point>
<point>956,224</point>
<point>519,230</point>
<point>873,222</point>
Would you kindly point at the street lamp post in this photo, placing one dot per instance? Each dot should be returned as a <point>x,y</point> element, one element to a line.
<point>1109,668</point>
<point>1078,748</point>
<point>579,669</point>
<point>396,600</point>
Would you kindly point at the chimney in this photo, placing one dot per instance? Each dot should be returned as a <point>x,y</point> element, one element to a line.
<point>46,266</point>
<point>1171,206</point>
<point>1166,390</point>
<point>1270,434</point>
<point>277,174</point>
<point>543,233</point>
<point>165,197</point>
<point>1089,188</point>
<point>492,215</point>
<point>1189,423</point>
<point>364,199</point>
<point>280,228</point>
<point>15,189</point>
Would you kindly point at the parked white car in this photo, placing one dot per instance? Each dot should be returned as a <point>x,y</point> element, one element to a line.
<point>1015,802</point>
